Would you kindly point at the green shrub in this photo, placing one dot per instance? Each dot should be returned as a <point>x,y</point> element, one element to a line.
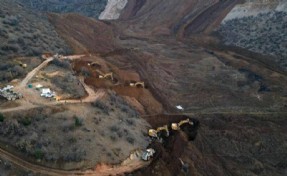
<point>130,140</point>
<point>38,154</point>
<point>2,117</point>
<point>78,121</point>
<point>101,105</point>
<point>26,121</point>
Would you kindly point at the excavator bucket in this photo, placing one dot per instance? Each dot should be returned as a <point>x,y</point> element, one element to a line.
<point>152,133</point>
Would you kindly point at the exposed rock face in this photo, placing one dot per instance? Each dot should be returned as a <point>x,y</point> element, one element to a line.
<point>113,9</point>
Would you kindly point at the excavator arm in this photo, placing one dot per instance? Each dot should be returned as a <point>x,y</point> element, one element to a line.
<point>176,126</point>
<point>156,133</point>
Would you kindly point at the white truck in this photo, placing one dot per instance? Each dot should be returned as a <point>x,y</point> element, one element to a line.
<point>147,154</point>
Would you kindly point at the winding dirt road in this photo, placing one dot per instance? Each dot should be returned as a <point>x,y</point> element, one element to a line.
<point>91,97</point>
<point>27,104</point>
<point>105,171</point>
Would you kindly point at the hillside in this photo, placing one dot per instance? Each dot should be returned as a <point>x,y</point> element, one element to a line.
<point>222,61</point>
<point>259,26</point>
<point>90,8</point>
<point>24,32</point>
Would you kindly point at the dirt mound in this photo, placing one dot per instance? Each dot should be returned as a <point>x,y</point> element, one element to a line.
<point>85,35</point>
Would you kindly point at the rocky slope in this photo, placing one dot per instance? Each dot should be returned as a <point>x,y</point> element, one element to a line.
<point>113,9</point>
<point>259,26</point>
<point>238,98</point>
<point>205,80</point>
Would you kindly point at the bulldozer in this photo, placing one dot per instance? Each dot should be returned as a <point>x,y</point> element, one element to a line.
<point>159,132</point>
<point>176,126</point>
<point>107,75</point>
<point>137,84</point>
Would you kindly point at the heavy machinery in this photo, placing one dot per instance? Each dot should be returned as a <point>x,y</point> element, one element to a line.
<point>147,154</point>
<point>137,84</point>
<point>111,75</point>
<point>159,133</point>
<point>176,126</point>
<point>94,64</point>
<point>21,64</point>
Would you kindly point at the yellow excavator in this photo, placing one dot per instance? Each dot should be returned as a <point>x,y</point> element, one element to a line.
<point>159,132</point>
<point>176,126</point>
<point>111,75</point>
<point>137,84</point>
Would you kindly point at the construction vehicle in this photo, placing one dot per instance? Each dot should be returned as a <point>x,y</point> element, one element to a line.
<point>21,64</point>
<point>107,75</point>
<point>176,126</point>
<point>159,132</point>
<point>94,64</point>
<point>147,154</point>
<point>137,84</point>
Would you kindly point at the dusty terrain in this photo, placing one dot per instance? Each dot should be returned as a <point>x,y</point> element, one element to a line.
<point>204,77</point>
<point>236,97</point>
<point>70,143</point>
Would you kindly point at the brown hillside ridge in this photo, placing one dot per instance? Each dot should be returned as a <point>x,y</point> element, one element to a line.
<point>85,35</point>
<point>173,48</point>
<point>165,68</point>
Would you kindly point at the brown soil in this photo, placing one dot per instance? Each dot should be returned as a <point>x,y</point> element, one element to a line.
<point>204,76</point>
<point>85,34</point>
<point>120,84</point>
<point>151,105</point>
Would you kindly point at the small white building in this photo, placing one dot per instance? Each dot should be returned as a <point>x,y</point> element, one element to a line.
<point>47,93</point>
<point>39,86</point>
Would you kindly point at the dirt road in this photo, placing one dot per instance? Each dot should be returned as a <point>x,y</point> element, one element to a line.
<point>31,74</point>
<point>91,96</point>
<point>105,171</point>
<point>29,104</point>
